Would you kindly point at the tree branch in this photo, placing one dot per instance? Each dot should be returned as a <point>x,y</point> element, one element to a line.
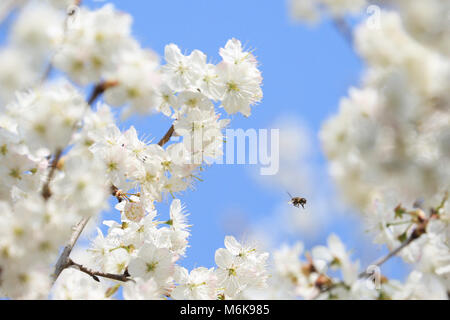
<point>46,192</point>
<point>344,29</point>
<point>99,89</point>
<point>64,260</point>
<point>95,274</point>
<point>391,254</point>
<point>8,7</point>
<point>416,234</point>
<point>167,136</point>
<point>420,229</point>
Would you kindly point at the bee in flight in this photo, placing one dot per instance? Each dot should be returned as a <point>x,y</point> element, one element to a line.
<point>297,201</point>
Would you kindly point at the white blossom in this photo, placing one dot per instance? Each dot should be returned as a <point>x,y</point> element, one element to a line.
<point>199,284</point>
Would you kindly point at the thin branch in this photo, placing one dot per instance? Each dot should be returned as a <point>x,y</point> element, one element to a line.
<point>391,254</point>
<point>64,260</point>
<point>420,229</point>
<point>416,234</point>
<point>8,7</point>
<point>167,136</point>
<point>99,89</point>
<point>344,29</point>
<point>47,72</point>
<point>95,274</point>
<point>46,192</point>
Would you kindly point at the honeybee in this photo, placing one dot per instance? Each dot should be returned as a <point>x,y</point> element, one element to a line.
<point>297,201</point>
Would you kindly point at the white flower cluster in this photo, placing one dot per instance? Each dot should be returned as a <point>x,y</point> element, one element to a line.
<point>309,278</point>
<point>315,277</point>
<point>426,21</point>
<point>94,43</point>
<point>98,46</point>
<point>311,10</point>
<point>428,252</point>
<point>38,214</point>
<point>39,29</point>
<point>389,142</point>
<point>148,250</point>
<point>392,135</point>
<point>62,159</point>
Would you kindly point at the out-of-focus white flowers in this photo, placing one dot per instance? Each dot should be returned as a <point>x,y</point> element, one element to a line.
<point>17,72</point>
<point>426,21</point>
<point>388,144</point>
<point>47,117</point>
<point>199,284</point>
<point>63,4</point>
<point>93,43</point>
<point>421,286</point>
<point>142,290</point>
<point>311,10</point>
<point>40,28</point>
<point>384,138</point>
<point>138,82</point>
<point>240,267</point>
<point>75,285</point>
<point>315,277</point>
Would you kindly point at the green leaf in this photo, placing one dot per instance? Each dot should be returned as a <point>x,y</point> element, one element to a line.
<point>403,237</point>
<point>399,211</point>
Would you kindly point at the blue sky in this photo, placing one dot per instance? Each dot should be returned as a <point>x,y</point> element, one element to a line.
<point>306,71</point>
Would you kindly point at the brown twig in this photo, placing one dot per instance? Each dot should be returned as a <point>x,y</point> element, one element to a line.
<point>416,234</point>
<point>46,192</point>
<point>125,277</point>
<point>384,259</point>
<point>99,89</point>
<point>420,229</point>
<point>167,136</point>
<point>344,29</point>
<point>63,261</point>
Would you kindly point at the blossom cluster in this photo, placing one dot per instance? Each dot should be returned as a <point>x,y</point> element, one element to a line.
<point>388,144</point>
<point>315,276</point>
<point>148,250</point>
<point>311,10</point>
<point>42,196</point>
<point>63,155</point>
